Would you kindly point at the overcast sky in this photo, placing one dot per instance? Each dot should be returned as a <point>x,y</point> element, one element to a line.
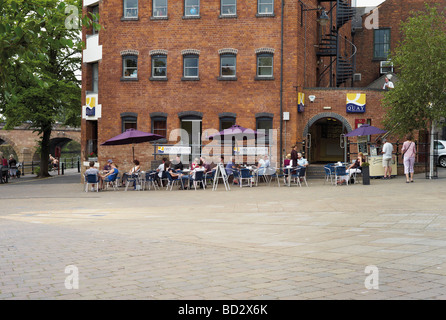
<point>367,3</point>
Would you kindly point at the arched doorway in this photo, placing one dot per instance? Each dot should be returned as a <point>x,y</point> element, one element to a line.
<point>323,133</point>
<point>6,149</point>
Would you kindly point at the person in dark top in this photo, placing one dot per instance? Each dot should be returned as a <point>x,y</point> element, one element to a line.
<point>12,166</point>
<point>294,156</point>
<point>178,165</point>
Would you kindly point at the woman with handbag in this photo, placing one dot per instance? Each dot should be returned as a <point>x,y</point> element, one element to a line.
<point>409,153</point>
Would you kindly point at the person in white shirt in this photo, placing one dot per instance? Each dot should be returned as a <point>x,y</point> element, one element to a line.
<point>388,84</point>
<point>301,161</point>
<point>387,158</point>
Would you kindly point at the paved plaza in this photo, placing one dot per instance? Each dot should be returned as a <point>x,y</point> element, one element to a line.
<point>382,241</point>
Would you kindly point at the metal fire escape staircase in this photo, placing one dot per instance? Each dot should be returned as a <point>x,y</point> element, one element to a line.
<point>340,50</point>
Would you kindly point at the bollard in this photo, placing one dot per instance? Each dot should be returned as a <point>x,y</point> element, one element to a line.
<point>63,167</point>
<point>78,166</point>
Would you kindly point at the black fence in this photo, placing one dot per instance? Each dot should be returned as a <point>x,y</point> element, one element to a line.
<point>64,163</point>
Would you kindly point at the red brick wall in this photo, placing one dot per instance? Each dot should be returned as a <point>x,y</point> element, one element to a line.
<point>245,97</point>
<point>390,13</point>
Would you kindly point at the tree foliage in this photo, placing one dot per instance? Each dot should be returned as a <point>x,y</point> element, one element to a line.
<point>40,61</point>
<point>420,60</point>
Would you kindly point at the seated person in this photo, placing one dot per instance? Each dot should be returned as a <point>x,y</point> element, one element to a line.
<point>54,162</point>
<point>91,170</point>
<point>136,169</point>
<point>301,161</point>
<point>356,166</point>
<point>207,166</point>
<point>107,166</point>
<point>263,165</point>
<point>110,176</point>
<point>231,168</point>
<point>194,163</point>
<point>178,164</point>
<point>287,160</point>
<point>160,171</point>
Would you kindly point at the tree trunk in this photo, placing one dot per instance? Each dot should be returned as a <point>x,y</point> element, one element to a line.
<point>45,152</point>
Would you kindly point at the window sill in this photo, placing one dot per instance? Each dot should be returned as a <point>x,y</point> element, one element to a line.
<point>227,16</point>
<point>263,78</point>
<point>227,78</point>
<point>191,17</point>
<point>190,79</point>
<point>128,79</point>
<point>158,78</point>
<point>265,15</point>
<point>129,18</point>
<point>159,18</point>
<point>380,59</point>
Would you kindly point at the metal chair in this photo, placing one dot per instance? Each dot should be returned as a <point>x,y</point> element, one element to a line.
<point>303,176</point>
<point>245,174</point>
<point>91,179</point>
<point>113,182</point>
<point>209,176</point>
<point>295,174</point>
<point>329,173</point>
<point>198,178</point>
<point>134,178</point>
<point>150,180</point>
<point>171,181</point>
<point>340,173</point>
<point>278,174</point>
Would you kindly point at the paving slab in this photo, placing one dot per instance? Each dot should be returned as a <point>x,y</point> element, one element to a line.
<point>265,242</point>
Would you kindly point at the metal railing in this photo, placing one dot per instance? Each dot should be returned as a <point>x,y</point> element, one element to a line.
<point>64,163</point>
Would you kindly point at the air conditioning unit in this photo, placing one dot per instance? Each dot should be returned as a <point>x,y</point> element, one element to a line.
<point>385,67</point>
<point>356,77</point>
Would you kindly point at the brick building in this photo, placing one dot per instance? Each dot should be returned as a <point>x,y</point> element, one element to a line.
<point>161,65</point>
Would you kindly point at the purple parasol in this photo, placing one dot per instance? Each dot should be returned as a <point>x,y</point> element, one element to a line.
<point>132,136</point>
<point>238,132</point>
<point>365,130</point>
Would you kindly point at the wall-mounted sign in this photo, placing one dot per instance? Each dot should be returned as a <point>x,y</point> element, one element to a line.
<point>174,150</point>
<point>251,151</point>
<point>300,102</point>
<point>92,110</point>
<point>359,122</point>
<point>355,103</point>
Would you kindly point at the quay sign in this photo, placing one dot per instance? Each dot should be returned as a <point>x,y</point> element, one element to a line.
<point>174,150</point>
<point>355,103</point>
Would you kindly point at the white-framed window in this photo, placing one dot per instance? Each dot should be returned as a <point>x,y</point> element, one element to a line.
<point>265,63</point>
<point>130,66</point>
<point>130,8</point>
<point>228,65</point>
<point>228,7</point>
<point>159,66</point>
<point>265,6</point>
<point>159,8</point>
<point>191,8</point>
<point>190,63</point>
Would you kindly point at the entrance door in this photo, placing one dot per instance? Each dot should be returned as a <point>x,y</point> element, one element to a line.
<point>193,139</point>
<point>325,141</point>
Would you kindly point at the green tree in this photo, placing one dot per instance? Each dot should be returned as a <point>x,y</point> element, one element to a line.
<point>419,97</point>
<point>41,53</point>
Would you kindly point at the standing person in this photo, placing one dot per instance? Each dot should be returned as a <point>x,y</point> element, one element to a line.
<point>294,156</point>
<point>388,84</point>
<point>408,150</point>
<point>387,158</point>
<point>12,166</point>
